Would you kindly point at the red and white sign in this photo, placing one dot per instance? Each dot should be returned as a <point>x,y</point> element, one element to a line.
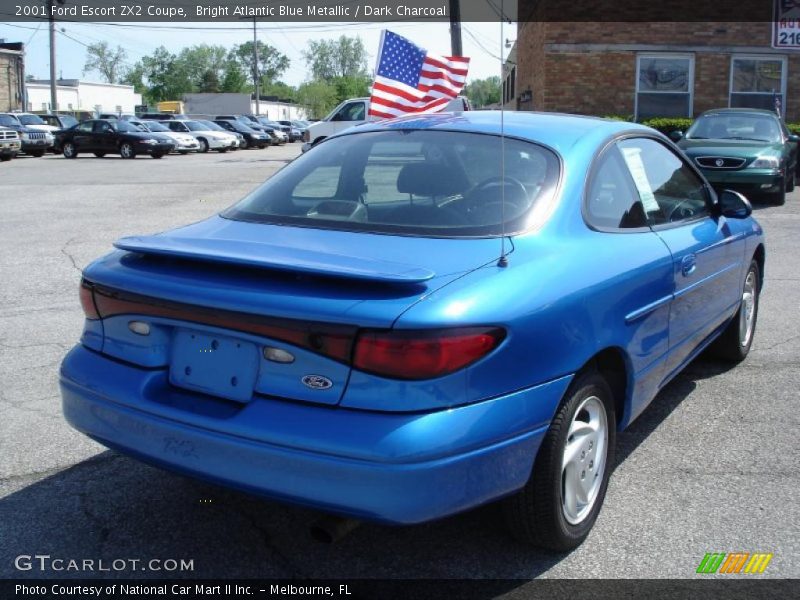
<point>786,24</point>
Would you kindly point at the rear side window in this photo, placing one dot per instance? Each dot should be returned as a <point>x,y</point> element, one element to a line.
<point>411,182</point>
<point>612,201</point>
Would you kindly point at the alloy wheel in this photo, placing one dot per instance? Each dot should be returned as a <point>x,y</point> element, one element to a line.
<point>584,460</point>
<point>747,313</point>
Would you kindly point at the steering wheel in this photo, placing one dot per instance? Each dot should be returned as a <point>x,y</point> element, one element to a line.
<point>491,189</point>
<point>680,212</point>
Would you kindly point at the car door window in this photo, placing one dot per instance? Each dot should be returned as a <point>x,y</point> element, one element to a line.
<point>611,200</point>
<point>354,111</point>
<point>670,190</point>
<point>85,127</point>
<point>102,127</point>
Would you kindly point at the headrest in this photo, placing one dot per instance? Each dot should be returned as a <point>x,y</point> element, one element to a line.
<point>425,179</point>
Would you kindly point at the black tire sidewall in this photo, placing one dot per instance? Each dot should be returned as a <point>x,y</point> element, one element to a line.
<point>744,350</point>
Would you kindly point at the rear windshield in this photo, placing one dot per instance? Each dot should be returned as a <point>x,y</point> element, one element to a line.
<point>411,182</point>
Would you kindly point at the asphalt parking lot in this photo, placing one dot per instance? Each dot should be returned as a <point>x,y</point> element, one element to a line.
<point>709,467</point>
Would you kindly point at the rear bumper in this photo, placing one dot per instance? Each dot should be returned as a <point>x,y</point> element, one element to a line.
<point>391,467</point>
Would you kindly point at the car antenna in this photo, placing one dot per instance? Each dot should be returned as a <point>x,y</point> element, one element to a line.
<point>503,260</point>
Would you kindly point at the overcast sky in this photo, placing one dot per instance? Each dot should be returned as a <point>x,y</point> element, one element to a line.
<point>482,41</point>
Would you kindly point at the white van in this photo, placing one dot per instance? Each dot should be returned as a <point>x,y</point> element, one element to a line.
<point>353,112</point>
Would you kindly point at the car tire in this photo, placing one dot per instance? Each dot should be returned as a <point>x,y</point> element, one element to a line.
<point>99,154</point>
<point>790,182</point>
<point>203,144</point>
<point>735,341</point>
<point>547,511</point>
<point>779,198</point>
<point>126,150</point>
<point>37,153</point>
<point>70,151</point>
<point>5,157</point>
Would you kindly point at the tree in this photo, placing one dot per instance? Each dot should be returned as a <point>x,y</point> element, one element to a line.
<point>318,97</point>
<point>281,90</point>
<point>483,92</point>
<point>271,63</point>
<point>135,77</point>
<point>167,77</point>
<point>233,79</point>
<point>109,63</point>
<point>327,59</point>
<point>209,82</point>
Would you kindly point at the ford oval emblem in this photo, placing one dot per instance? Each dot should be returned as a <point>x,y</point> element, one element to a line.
<point>317,382</point>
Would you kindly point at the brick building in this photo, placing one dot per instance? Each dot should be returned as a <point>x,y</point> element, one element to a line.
<point>652,69</point>
<point>12,76</point>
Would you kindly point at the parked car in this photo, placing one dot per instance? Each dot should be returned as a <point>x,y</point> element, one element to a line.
<point>355,111</point>
<point>281,132</point>
<point>207,137</point>
<point>184,142</point>
<point>156,116</point>
<point>113,136</point>
<point>295,131</point>
<point>241,141</point>
<point>33,141</point>
<point>119,116</point>
<point>10,145</point>
<point>255,139</point>
<point>744,149</point>
<point>36,122</point>
<point>59,122</point>
<point>419,317</point>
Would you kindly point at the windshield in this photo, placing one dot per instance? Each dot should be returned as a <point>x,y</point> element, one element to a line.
<point>31,120</point>
<point>67,122</point>
<point>126,127</point>
<point>9,121</point>
<point>736,126</point>
<point>156,126</point>
<point>195,125</point>
<point>203,126</point>
<point>412,182</point>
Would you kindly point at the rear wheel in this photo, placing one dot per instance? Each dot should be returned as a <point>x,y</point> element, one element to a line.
<point>99,154</point>
<point>734,343</point>
<point>126,150</point>
<point>70,151</point>
<point>559,505</point>
<point>203,144</point>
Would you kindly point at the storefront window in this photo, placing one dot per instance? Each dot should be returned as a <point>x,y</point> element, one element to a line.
<point>757,82</point>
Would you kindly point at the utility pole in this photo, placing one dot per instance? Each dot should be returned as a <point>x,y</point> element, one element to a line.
<point>53,96</point>
<point>455,28</point>
<point>255,69</point>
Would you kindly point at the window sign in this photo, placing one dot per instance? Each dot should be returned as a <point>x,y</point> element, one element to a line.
<point>786,24</point>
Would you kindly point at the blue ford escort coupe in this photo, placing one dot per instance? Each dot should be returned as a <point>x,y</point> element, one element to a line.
<point>420,316</point>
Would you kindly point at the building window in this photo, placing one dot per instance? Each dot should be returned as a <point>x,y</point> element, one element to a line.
<point>757,82</point>
<point>664,85</point>
<point>509,86</point>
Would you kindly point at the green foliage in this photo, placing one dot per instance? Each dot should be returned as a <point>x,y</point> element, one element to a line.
<point>614,117</point>
<point>483,92</point>
<point>102,59</point>
<point>667,125</point>
<point>318,97</point>
<point>234,79</point>
<point>794,128</point>
<point>329,59</point>
<point>279,89</point>
<point>351,86</point>
<point>271,62</point>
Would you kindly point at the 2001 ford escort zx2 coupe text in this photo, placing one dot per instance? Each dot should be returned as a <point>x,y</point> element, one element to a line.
<point>347,338</point>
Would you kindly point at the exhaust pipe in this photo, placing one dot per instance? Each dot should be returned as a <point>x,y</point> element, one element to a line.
<point>330,528</point>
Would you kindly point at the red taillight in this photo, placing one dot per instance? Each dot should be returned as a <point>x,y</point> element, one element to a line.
<point>87,301</point>
<point>423,354</point>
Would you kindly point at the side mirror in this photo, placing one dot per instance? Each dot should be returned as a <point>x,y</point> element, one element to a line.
<point>733,205</point>
<point>794,138</point>
<point>676,136</point>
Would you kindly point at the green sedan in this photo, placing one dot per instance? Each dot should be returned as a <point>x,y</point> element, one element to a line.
<point>744,149</point>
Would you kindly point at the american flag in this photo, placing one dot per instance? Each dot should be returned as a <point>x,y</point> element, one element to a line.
<point>409,79</point>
